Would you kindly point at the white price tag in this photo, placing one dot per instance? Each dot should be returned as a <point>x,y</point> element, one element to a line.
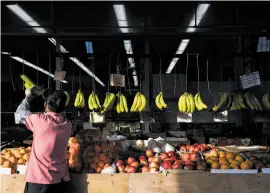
<point>250,80</point>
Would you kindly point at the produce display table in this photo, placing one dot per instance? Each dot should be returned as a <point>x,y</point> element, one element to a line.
<point>186,182</point>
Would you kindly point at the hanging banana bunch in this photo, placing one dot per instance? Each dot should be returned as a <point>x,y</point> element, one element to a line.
<point>121,106</point>
<point>224,102</point>
<point>68,98</point>
<point>266,100</point>
<point>238,101</point>
<point>79,100</point>
<point>108,102</point>
<point>93,102</point>
<point>252,102</point>
<point>28,83</point>
<point>161,105</point>
<point>186,103</point>
<point>139,103</point>
<point>200,105</point>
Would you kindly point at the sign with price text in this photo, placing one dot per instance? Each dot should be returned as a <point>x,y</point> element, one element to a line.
<point>250,80</point>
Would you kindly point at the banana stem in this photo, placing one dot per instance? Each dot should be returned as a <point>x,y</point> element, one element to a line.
<point>198,69</point>
<point>186,73</point>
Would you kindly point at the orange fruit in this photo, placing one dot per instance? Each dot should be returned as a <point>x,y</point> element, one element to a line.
<point>215,165</point>
<point>224,166</point>
<point>239,158</point>
<point>234,166</point>
<point>222,154</point>
<point>214,153</point>
<point>230,155</point>
<point>236,162</point>
<point>245,166</point>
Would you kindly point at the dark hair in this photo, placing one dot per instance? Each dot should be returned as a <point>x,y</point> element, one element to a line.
<point>56,101</point>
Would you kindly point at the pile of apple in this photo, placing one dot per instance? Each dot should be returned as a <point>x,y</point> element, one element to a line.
<point>195,148</point>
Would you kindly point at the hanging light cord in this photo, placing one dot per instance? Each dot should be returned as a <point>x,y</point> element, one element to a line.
<point>37,68</point>
<point>187,74</point>
<point>110,63</point>
<point>207,76</point>
<point>198,70</point>
<point>11,76</point>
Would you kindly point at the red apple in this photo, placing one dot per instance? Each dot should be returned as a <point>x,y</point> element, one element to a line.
<point>131,169</point>
<point>183,148</point>
<point>149,153</point>
<point>195,156</point>
<point>121,168</point>
<point>144,163</point>
<point>191,148</point>
<point>189,162</point>
<point>177,165</point>
<point>163,156</point>
<point>150,159</point>
<point>130,160</point>
<point>135,164</point>
<point>145,169</point>
<point>167,164</point>
<point>185,156</point>
<point>155,159</point>
<point>187,147</point>
<point>170,153</point>
<point>154,165</point>
<point>119,163</point>
<point>196,149</point>
<point>126,168</point>
<point>172,158</point>
<point>142,158</point>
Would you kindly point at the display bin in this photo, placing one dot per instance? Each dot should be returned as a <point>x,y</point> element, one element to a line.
<point>186,182</point>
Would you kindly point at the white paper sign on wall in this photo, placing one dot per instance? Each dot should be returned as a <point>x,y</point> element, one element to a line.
<point>250,80</point>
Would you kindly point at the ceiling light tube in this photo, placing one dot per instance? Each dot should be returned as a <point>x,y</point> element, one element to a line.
<point>34,67</point>
<point>82,66</point>
<point>121,17</point>
<point>17,10</point>
<point>200,12</point>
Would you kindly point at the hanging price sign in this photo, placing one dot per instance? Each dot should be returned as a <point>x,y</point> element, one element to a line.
<point>250,80</point>
<point>117,80</point>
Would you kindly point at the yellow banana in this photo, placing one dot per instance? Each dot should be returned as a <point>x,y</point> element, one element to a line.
<point>124,101</point>
<point>27,80</point>
<point>182,105</point>
<point>188,104</point>
<point>27,86</point>
<point>202,104</point>
<point>157,100</point>
<point>97,100</point>
<point>139,102</point>
<point>135,101</point>
<point>197,104</point>
<point>94,102</point>
<point>192,103</point>
<point>77,99</point>
<point>68,98</point>
<point>90,104</point>
<point>143,103</point>
<point>161,100</point>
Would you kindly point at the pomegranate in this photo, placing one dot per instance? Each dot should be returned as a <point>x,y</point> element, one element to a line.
<point>189,162</point>
<point>154,165</point>
<point>163,156</point>
<point>145,169</point>
<point>187,147</point>
<point>119,163</point>
<point>170,153</point>
<point>130,160</point>
<point>149,153</point>
<point>177,165</point>
<point>185,156</point>
<point>195,156</point>
<point>126,168</point>
<point>131,169</point>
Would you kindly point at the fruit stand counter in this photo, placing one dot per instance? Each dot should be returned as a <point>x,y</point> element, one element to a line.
<point>195,182</point>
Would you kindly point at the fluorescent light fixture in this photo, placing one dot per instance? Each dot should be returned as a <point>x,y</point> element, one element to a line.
<point>34,66</point>
<point>121,17</point>
<point>200,12</point>
<point>128,46</point>
<point>82,66</point>
<point>135,79</point>
<point>5,53</point>
<point>16,9</point>
<point>172,64</point>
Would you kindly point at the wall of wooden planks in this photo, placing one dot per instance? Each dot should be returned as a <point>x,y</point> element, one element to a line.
<point>195,182</point>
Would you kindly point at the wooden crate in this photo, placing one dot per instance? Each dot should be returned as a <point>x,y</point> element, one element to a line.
<point>183,182</point>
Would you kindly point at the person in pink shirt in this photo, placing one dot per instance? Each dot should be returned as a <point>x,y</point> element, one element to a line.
<point>47,170</point>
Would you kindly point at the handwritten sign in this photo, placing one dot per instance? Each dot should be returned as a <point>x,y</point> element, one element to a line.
<point>250,80</point>
<point>117,80</point>
<point>184,118</point>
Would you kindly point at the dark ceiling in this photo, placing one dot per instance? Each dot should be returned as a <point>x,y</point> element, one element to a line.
<point>147,17</point>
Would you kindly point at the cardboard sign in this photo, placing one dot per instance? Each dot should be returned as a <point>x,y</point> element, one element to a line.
<point>250,80</point>
<point>117,80</point>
